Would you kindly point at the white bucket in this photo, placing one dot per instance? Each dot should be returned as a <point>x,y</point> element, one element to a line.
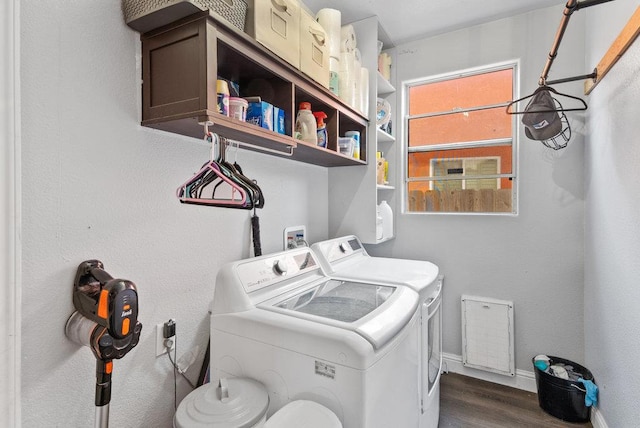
<point>238,108</point>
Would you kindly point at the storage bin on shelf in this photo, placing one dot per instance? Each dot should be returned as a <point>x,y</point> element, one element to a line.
<point>146,15</point>
<point>346,145</point>
<point>314,52</point>
<point>276,25</point>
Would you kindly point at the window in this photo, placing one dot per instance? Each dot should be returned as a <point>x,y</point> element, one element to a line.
<point>460,142</point>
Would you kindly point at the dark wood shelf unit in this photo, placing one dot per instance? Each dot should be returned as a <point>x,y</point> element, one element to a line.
<point>181,63</point>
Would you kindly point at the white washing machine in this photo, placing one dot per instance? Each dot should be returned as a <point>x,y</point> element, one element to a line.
<point>351,346</point>
<point>345,258</point>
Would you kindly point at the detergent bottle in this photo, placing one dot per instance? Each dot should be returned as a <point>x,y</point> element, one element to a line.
<point>387,220</point>
<point>322,128</point>
<point>306,128</point>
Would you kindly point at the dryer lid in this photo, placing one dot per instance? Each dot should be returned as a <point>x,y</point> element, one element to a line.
<point>416,274</point>
<point>346,258</point>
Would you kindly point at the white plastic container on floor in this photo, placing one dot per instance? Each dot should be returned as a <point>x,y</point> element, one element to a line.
<point>387,220</point>
<point>243,403</point>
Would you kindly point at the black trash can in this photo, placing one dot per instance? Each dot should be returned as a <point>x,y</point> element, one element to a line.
<point>563,398</point>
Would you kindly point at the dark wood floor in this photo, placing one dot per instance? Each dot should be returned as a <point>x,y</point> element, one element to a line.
<point>469,402</point>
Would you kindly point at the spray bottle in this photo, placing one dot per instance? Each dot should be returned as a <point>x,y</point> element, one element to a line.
<point>322,128</point>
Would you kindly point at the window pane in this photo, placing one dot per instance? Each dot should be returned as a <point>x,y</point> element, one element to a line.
<point>421,164</point>
<point>481,89</point>
<point>457,155</point>
<point>460,127</point>
<point>457,200</point>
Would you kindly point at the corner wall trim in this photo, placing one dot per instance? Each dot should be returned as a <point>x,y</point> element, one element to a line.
<point>597,419</point>
<point>10,215</point>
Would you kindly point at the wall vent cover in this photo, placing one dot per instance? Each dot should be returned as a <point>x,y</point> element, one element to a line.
<point>487,335</point>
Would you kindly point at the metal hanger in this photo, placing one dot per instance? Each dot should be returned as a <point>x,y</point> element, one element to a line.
<point>193,190</point>
<point>552,91</point>
<point>252,187</point>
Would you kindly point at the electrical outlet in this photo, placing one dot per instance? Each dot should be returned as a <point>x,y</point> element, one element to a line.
<point>160,348</point>
<point>294,237</point>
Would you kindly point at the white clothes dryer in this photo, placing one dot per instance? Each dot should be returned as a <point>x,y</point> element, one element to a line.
<point>350,346</point>
<point>346,259</point>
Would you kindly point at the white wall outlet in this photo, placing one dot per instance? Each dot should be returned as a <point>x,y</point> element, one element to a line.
<point>294,237</point>
<point>160,347</point>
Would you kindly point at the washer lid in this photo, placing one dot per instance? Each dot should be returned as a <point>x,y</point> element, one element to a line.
<point>375,312</point>
<point>233,403</point>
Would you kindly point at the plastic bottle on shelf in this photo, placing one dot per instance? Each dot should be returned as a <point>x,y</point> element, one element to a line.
<point>222,89</point>
<point>387,220</point>
<point>379,231</point>
<point>380,162</point>
<point>306,128</point>
<point>322,128</point>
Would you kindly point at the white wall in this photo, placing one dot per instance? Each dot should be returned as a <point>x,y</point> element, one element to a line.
<point>612,243</point>
<point>98,185</point>
<point>535,258</point>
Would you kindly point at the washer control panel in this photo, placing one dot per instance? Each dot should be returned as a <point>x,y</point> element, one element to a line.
<point>339,249</point>
<point>261,272</point>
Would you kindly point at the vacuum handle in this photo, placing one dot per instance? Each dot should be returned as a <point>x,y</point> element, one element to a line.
<point>100,274</point>
<point>103,382</point>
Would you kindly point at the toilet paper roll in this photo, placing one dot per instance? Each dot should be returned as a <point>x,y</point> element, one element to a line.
<point>347,87</point>
<point>364,91</point>
<point>348,40</point>
<point>334,75</point>
<point>347,79</point>
<point>347,61</point>
<point>355,102</point>
<point>330,19</point>
<point>334,63</point>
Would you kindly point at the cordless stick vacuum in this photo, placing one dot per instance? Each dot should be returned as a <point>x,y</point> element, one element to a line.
<point>106,320</point>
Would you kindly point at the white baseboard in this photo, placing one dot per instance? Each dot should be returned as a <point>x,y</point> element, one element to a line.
<point>523,379</point>
<point>597,420</point>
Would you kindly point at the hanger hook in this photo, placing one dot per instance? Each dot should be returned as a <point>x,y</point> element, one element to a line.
<point>223,148</point>
<point>235,153</point>
<point>212,138</point>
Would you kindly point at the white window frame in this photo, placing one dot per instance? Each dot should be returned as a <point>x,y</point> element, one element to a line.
<point>513,176</point>
<point>10,216</point>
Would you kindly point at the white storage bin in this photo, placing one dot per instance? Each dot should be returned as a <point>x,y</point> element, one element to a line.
<point>346,145</point>
<point>276,24</point>
<point>314,49</point>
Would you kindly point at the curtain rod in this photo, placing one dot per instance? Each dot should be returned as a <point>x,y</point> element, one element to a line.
<point>570,7</point>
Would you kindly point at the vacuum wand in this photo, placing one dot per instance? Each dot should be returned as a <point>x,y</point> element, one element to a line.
<point>103,392</point>
<point>105,320</point>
